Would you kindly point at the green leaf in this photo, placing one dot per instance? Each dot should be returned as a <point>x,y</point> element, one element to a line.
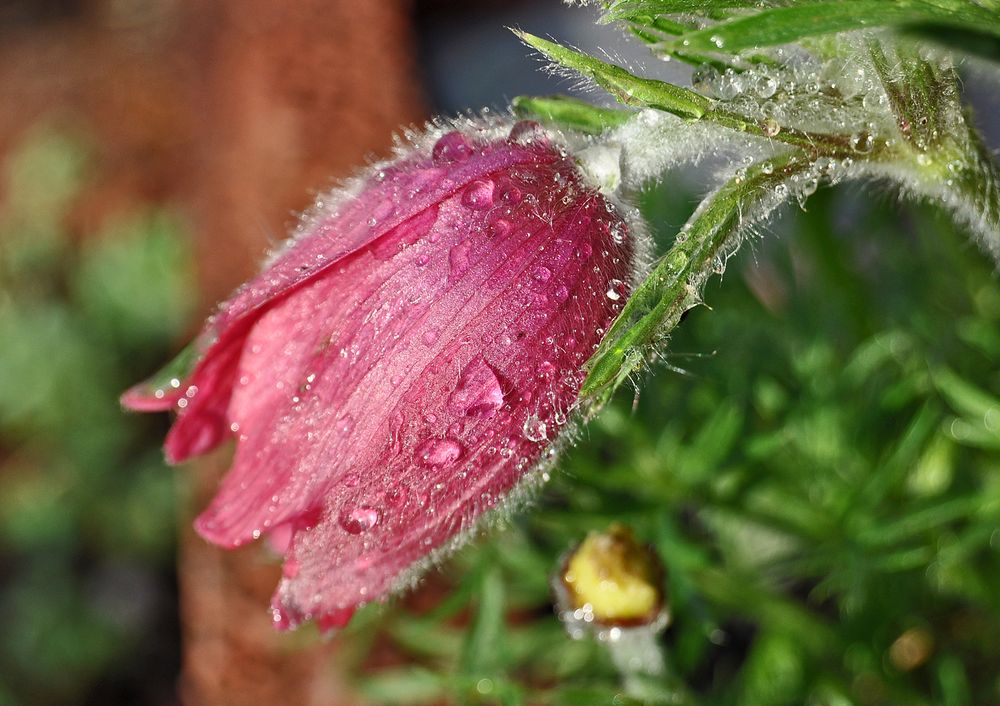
<point>960,39</point>
<point>638,10</point>
<point>626,88</point>
<point>783,25</point>
<point>965,397</point>
<point>570,113</point>
<point>481,653</point>
<point>413,685</point>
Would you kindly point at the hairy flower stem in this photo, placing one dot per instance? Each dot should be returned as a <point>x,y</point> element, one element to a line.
<point>940,155</point>
<point>972,193</point>
<point>685,103</point>
<point>674,284</point>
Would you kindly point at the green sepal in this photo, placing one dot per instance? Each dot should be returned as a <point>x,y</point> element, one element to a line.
<point>625,87</point>
<point>672,287</point>
<point>172,375</point>
<point>569,113</point>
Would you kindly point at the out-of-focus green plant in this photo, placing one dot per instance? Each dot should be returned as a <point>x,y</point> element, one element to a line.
<point>86,505</point>
<point>818,474</point>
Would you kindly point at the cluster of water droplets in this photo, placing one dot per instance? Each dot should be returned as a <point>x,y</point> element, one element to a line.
<point>797,90</point>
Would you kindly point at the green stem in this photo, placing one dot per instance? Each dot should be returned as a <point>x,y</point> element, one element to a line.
<point>943,157</point>
<point>969,186</point>
<point>673,286</point>
<point>636,91</point>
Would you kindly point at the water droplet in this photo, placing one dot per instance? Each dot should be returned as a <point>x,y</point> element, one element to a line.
<point>458,259</point>
<point>438,452</point>
<point>717,41</point>
<point>359,519</point>
<point>765,86</point>
<point>500,228</point>
<point>862,142</point>
<point>395,497</point>
<point>703,79</point>
<point>478,195</point>
<point>874,101</point>
<point>535,429</point>
<point>561,294</point>
<point>345,424</point>
<point>771,127</point>
<point>478,392</point>
<point>541,274</point>
<point>616,288</point>
<point>510,194</point>
<point>527,132</point>
<point>452,147</point>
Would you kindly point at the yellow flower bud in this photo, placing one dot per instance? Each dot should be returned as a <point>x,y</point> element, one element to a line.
<point>614,579</point>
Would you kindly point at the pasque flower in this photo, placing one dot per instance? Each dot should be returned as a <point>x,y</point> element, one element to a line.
<point>405,362</point>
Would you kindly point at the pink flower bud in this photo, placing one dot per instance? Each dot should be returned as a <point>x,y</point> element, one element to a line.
<point>403,364</point>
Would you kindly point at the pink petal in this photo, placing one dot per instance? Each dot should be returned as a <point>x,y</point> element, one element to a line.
<point>401,367</point>
<point>451,402</point>
<point>328,235</point>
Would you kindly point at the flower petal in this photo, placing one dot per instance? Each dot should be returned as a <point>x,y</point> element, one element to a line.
<point>452,398</point>
<point>330,233</point>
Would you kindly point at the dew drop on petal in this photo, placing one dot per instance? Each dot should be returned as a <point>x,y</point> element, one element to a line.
<point>535,429</point>
<point>616,288</point>
<point>527,132</point>
<point>362,518</point>
<point>345,424</point>
<point>395,497</point>
<point>452,147</point>
<point>510,194</point>
<point>541,274</point>
<point>478,195</point>
<point>438,452</point>
<point>500,228</point>
<point>458,259</point>
<point>478,392</point>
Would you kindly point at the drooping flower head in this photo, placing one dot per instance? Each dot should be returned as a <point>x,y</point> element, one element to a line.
<point>404,363</point>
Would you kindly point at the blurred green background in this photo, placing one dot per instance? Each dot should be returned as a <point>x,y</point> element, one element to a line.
<point>816,461</point>
<point>87,515</point>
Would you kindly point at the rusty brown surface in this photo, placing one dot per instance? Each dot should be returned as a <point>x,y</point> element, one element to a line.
<point>235,111</point>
